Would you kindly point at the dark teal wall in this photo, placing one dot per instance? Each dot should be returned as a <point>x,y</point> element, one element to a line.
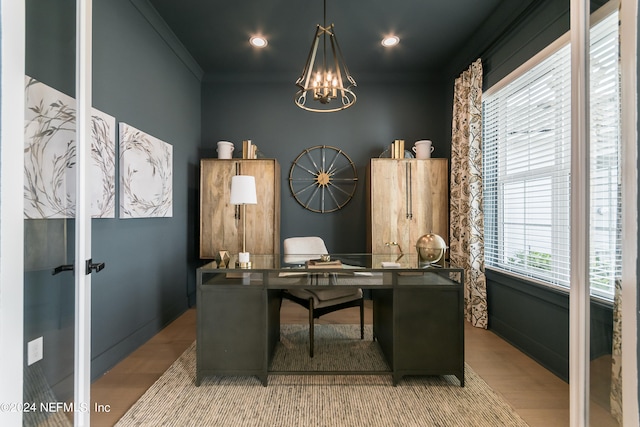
<point>50,43</point>
<point>535,319</point>
<point>150,263</point>
<point>142,82</point>
<point>511,36</point>
<point>541,26</point>
<point>265,113</point>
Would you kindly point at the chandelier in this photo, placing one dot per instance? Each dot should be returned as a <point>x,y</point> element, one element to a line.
<point>326,83</point>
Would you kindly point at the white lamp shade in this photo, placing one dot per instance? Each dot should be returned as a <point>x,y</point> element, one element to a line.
<point>243,190</point>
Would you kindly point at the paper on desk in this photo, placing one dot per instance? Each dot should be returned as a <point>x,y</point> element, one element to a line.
<point>389,264</point>
<point>357,267</point>
<point>298,273</point>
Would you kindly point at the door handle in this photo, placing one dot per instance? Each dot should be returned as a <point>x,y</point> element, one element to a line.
<point>99,266</point>
<point>61,268</point>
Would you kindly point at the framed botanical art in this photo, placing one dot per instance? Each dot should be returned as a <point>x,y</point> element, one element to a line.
<point>146,175</point>
<point>50,156</point>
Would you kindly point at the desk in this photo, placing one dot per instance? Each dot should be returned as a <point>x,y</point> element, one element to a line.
<point>417,313</point>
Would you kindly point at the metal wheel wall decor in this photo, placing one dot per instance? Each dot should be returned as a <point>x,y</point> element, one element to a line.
<point>323,179</point>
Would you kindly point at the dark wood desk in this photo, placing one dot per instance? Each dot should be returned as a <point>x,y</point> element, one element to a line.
<point>417,313</point>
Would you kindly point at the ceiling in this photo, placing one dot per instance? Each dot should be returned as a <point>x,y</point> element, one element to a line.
<point>216,32</point>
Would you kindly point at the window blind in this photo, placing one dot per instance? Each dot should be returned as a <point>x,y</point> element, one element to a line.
<point>526,156</point>
<point>605,254</point>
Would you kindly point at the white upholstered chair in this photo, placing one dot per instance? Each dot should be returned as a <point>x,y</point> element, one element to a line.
<point>319,301</point>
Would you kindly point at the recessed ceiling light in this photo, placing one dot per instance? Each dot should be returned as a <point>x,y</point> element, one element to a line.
<point>390,41</point>
<point>258,41</point>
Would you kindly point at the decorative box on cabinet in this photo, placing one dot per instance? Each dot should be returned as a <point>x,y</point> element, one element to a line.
<point>221,222</point>
<point>406,198</point>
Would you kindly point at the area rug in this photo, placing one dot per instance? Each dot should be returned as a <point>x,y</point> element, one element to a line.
<point>336,348</point>
<point>319,400</point>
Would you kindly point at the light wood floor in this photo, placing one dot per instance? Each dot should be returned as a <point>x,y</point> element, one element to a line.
<point>539,397</point>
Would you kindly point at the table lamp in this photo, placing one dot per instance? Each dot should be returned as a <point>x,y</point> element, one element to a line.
<point>243,192</point>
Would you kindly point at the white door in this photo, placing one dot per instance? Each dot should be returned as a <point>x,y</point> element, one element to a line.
<point>12,30</point>
<point>57,249</point>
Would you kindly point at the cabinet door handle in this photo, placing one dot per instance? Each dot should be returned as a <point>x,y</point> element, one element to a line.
<point>410,192</point>
<point>407,192</point>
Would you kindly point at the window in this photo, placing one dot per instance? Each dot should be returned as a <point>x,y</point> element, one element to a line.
<point>527,143</point>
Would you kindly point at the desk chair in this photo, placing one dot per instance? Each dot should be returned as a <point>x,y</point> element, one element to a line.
<point>320,301</point>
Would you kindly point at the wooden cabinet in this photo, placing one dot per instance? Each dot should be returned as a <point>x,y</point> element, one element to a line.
<point>221,222</point>
<point>407,198</point>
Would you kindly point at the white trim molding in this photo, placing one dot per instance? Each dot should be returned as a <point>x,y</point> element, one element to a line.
<point>629,72</point>
<point>579,277</point>
<point>164,31</point>
<point>82,352</point>
<point>12,35</point>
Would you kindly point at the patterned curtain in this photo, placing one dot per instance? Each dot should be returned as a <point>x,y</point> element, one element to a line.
<point>467,219</point>
<point>616,356</point>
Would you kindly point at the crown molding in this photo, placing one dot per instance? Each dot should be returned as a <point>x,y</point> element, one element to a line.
<point>162,28</point>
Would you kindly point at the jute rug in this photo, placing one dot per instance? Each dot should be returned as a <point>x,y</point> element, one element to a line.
<point>319,400</point>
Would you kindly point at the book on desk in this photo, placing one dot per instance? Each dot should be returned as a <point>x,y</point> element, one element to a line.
<point>317,263</point>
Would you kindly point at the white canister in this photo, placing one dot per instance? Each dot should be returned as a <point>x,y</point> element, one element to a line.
<point>225,149</point>
<point>423,149</point>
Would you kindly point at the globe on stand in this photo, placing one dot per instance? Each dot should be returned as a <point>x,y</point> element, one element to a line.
<point>431,249</point>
